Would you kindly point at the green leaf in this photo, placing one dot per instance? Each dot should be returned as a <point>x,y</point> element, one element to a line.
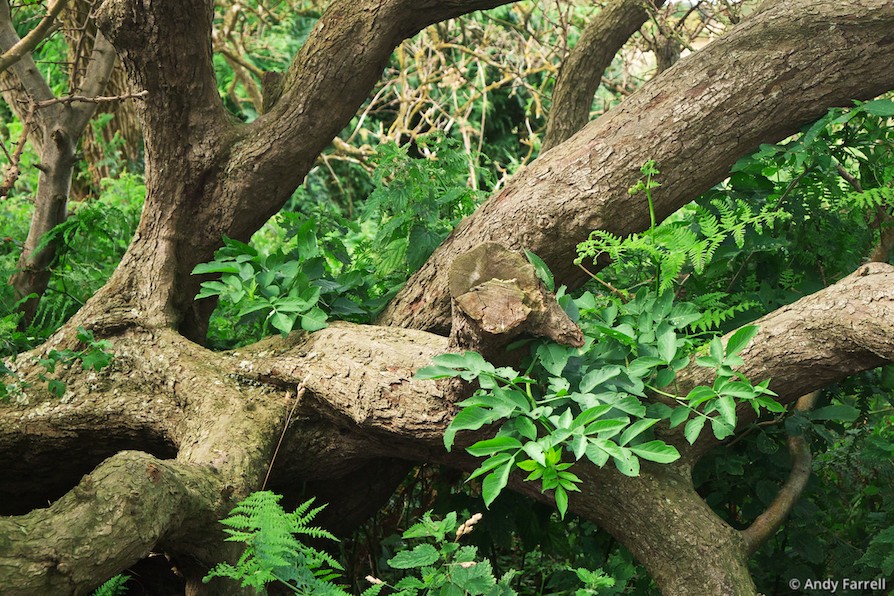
<point>721,429</point>
<point>636,429</point>
<point>314,320</point>
<point>667,343</point>
<point>596,377</point>
<point>727,408</point>
<point>561,501</point>
<point>678,416</point>
<point>468,419</point>
<point>694,428</point>
<point>657,451</point>
<point>837,412</point>
<point>490,446</point>
<point>491,463</point>
<point>281,322</point>
<point>740,339</point>
<point>56,387</point>
<point>542,271</point>
<point>879,107</point>
<point>494,483</point>
<point>420,556</point>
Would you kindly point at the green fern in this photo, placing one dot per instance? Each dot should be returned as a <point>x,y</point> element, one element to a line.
<point>114,587</point>
<point>273,552</point>
<point>665,251</point>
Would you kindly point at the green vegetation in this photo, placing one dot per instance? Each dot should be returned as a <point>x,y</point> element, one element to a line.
<point>791,219</point>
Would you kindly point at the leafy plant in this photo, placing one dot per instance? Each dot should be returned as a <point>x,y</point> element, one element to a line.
<point>417,201</point>
<point>273,551</point>
<point>666,249</point>
<point>442,565</point>
<point>95,355</point>
<point>272,286</point>
<point>590,402</point>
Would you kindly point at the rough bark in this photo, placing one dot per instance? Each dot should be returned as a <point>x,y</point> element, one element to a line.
<point>581,72</point>
<point>231,178</point>
<point>222,414</point>
<point>361,408</point>
<point>773,73</point>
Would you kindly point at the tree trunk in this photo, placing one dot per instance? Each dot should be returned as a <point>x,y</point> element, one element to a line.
<point>207,424</point>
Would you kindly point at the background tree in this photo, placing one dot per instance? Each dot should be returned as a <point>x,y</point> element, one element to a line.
<point>171,433</point>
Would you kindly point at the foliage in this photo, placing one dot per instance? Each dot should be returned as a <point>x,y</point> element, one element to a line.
<point>308,266</point>
<point>273,552</point>
<point>116,586</point>
<point>271,286</point>
<point>669,249</point>
<point>93,356</point>
<point>417,202</point>
<point>590,401</point>
<point>442,565</point>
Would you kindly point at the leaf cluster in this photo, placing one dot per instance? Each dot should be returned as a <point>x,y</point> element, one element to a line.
<point>593,402</point>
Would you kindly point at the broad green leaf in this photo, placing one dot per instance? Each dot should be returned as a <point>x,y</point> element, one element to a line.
<point>314,320</point>
<point>740,339</point>
<point>636,429</point>
<point>494,483</point>
<point>467,419</point>
<point>535,452</point>
<point>589,415</point>
<point>434,372</point>
<point>561,501</point>
<point>727,408</point>
<point>627,463</point>
<point>596,377</point>
<point>721,429</point>
<point>215,267</point>
<point>281,322</point>
<point>490,446</point>
<point>679,416</point>
<point>420,556</point>
<point>542,271</point>
<point>838,412</point>
<point>667,343</point>
<point>596,454</point>
<point>491,463</point>
<point>879,107</point>
<point>657,451</point>
<point>694,428</point>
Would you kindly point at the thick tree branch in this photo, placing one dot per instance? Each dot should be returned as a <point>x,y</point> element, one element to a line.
<point>101,526</point>
<point>766,524</point>
<point>581,72</point>
<point>809,344</point>
<point>695,119</point>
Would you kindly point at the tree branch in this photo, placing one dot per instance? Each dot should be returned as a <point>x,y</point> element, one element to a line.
<point>24,46</point>
<point>766,524</point>
<point>695,119</point>
<point>102,526</point>
<point>822,338</point>
<point>581,72</point>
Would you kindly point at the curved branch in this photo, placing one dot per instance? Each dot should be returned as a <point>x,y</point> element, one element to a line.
<point>101,526</point>
<point>766,524</point>
<point>582,70</point>
<point>695,119</point>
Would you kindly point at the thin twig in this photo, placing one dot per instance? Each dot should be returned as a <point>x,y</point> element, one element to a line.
<point>94,99</point>
<point>299,393</point>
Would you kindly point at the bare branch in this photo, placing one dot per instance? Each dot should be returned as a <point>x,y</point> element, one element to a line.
<point>97,99</point>
<point>766,524</point>
<point>582,70</point>
<point>24,46</point>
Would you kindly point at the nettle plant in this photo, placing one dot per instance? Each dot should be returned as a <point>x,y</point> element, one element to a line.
<point>602,400</point>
